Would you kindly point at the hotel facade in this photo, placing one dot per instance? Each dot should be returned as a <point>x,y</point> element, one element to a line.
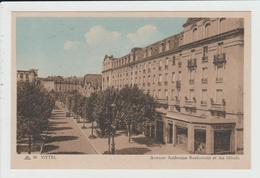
<point>197,75</point>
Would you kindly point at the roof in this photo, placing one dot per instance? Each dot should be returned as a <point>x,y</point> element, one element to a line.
<point>191,21</point>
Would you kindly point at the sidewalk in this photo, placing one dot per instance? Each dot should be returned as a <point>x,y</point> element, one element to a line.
<point>139,145</point>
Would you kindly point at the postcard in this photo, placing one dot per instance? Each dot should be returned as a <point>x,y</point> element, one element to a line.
<point>130,90</point>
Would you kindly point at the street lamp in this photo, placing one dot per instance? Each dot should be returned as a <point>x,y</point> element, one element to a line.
<point>113,148</point>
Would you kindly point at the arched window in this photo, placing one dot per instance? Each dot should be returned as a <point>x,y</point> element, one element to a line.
<point>207,32</point>
<point>195,34</point>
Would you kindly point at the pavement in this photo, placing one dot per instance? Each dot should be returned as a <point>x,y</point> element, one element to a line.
<point>66,136</point>
<point>140,144</point>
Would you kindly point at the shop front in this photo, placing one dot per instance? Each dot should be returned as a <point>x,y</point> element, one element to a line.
<point>201,138</point>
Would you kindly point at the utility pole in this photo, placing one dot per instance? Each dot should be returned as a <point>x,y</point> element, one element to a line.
<point>29,137</point>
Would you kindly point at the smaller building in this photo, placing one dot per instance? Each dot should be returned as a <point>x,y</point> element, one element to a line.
<point>92,83</point>
<point>49,85</point>
<point>27,75</point>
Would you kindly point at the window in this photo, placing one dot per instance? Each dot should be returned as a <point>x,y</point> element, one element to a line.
<point>195,34</point>
<point>179,76</point>
<point>160,77</point>
<point>221,25</point>
<point>192,76</point>
<point>191,94</point>
<point>173,60</point>
<point>21,75</point>
<point>166,94</point>
<point>204,96</point>
<point>219,96</point>
<point>192,55</point>
<point>166,77</point>
<point>159,94</point>
<point>172,94</point>
<point>205,51</point>
<point>27,76</point>
<point>173,76</point>
<point>204,72</point>
<point>166,61</point>
<point>207,30</point>
<point>220,48</point>
<point>220,71</point>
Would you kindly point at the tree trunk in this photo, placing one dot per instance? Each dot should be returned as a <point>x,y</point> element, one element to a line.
<point>92,128</point>
<point>129,130</point>
<point>30,145</point>
<point>109,142</point>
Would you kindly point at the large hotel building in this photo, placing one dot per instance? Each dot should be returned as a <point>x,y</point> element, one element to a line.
<point>197,75</point>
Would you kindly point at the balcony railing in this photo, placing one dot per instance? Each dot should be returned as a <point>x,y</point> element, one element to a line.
<point>190,103</point>
<point>203,103</point>
<point>204,59</point>
<point>219,59</point>
<point>178,84</point>
<point>192,64</point>
<point>220,106</point>
<point>204,80</point>
<point>219,80</point>
<point>162,101</point>
<point>217,107</point>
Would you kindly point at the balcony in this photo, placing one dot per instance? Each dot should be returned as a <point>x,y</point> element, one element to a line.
<point>192,64</point>
<point>203,103</point>
<point>178,84</point>
<point>191,81</point>
<point>204,59</point>
<point>204,80</point>
<point>218,106</point>
<point>162,101</point>
<point>219,59</point>
<point>189,103</point>
<point>219,80</point>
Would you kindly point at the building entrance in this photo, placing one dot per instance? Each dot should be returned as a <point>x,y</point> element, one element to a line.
<point>182,136</point>
<point>200,141</point>
<point>222,140</point>
<point>159,131</point>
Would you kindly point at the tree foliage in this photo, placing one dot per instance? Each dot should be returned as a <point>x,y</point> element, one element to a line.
<point>34,106</point>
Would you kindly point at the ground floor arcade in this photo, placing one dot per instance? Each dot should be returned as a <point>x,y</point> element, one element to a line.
<point>198,138</point>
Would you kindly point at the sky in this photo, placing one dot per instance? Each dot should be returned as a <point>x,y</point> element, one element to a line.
<point>75,46</point>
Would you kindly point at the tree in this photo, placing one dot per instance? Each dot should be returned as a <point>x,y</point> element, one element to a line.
<point>134,108</point>
<point>90,105</point>
<point>34,106</point>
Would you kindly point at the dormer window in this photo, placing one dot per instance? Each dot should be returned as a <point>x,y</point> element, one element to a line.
<point>195,34</point>
<point>207,26</point>
<point>221,26</point>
